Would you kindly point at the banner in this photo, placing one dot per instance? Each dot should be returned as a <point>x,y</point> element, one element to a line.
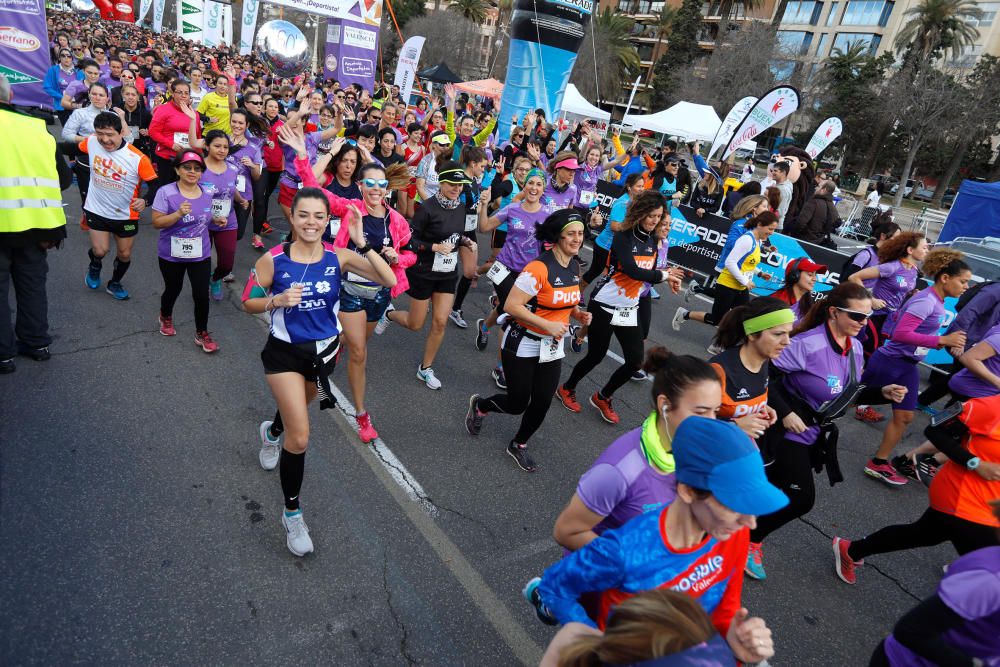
<point>212,28</point>
<point>368,12</point>
<point>248,25</point>
<point>227,24</point>
<point>406,68</point>
<point>191,19</point>
<point>776,105</point>
<point>24,51</point>
<point>825,134</point>
<point>350,53</point>
<point>733,118</point>
<point>159,6</point>
<point>144,6</point>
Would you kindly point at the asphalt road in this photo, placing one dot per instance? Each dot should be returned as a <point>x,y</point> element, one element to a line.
<point>136,526</point>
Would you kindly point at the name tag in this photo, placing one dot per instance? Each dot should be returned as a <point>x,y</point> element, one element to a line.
<point>334,226</point>
<point>497,273</point>
<point>471,221</point>
<point>241,182</point>
<point>445,263</point>
<point>625,317</point>
<point>134,130</point>
<point>587,197</point>
<point>551,349</point>
<point>221,208</point>
<point>185,248</point>
<point>182,139</point>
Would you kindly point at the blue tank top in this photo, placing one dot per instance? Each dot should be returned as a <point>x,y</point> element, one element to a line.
<point>315,318</point>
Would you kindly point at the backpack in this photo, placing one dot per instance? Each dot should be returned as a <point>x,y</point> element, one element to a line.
<point>971,293</point>
<point>850,268</point>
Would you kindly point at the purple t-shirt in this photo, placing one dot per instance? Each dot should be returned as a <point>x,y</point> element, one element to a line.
<point>66,78</point>
<point>568,197</point>
<point>236,154</point>
<point>290,177</point>
<point>817,372</point>
<point>895,281</point>
<point>521,246</point>
<point>222,188</point>
<point>77,91</point>
<point>967,384</point>
<point>927,306</point>
<point>154,89</point>
<point>182,241</point>
<point>621,484</point>
<point>971,589</point>
<point>864,259</point>
<point>585,178</point>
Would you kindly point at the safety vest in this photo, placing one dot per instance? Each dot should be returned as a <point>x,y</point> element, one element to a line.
<point>30,197</point>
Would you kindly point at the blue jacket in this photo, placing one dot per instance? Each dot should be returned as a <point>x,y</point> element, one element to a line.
<point>52,87</point>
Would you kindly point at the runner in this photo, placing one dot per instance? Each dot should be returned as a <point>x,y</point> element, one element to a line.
<point>413,152</point>
<point>700,537</point>
<point>298,283</point>
<point>169,129</point>
<point>474,160</point>
<point>602,243</point>
<point>615,303</point>
<point>438,230</point>
<point>463,133</point>
<point>593,166</point>
<point>506,190</point>
<point>912,333</point>
<point>541,301</point>
<point>78,128</point>
<point>113,204</point>
<point>274,163</point>
<point>245,154</point>
<point>868,256</point>
<point>290,181</point>
<point>980,376</point>
<point>182,211</point>
<point>800,279</point>
<point>561,191</point>
<point>216,105</point>
<point>427,171</point>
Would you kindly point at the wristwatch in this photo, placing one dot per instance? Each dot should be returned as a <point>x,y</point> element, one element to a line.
<point>972,463</point>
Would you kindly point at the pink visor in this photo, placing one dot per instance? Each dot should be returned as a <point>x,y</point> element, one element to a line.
<point>568,163</point>
<point>191,156</point>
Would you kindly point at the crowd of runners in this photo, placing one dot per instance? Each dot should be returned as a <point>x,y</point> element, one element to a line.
<point>387,204</point>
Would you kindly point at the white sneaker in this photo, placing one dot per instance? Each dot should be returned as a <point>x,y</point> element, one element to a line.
<point>384,321</point>
<point>690,291</point>
<point>456,317</point>
<point>296,533</point>
<point>678,318</point>
<point>426,375</point>
<point>653,293</point>
<point>269,449</point>
<point>715,349</point>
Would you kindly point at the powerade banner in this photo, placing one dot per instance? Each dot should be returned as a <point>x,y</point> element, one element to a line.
<point>825,134</point>
<point>733,118</point>
<point>24,51</point>
<point>545,36</point>
<point>776,105</point>
<point>351,52</point>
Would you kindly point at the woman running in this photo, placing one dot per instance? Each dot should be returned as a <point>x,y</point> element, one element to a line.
<point>427,171</point>
<point>823,360</point>
<point>980,376</point>
<point>170,130</point>
<point>413,152</point>
<point>290,180</point>
<point>340,169</point>
<point>541,301</point>
<point>438,231</point>
<point>274,164</point>
<point>474,161</point>
<point>912,333</point>
<point>602,243</point>
<point>506,190</point>
<point>182,211</point>
<point>615,303</point>
<point>298,283</point>
<point>591,169</point>
<point>745,209</point>
<point>245,154</point>
<point>76,130</point>
<point>800,278</point>
<point>868,256</point>
<point>561,191</point>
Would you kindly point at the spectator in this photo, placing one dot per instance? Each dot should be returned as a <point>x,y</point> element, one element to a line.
<point>819,217</point>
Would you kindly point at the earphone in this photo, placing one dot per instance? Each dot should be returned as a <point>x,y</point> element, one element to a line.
<point>793,277</point>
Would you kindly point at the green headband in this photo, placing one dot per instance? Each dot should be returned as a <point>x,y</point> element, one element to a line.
<point>570,223</point>
<point>535,171</point>
<point>768,321</point>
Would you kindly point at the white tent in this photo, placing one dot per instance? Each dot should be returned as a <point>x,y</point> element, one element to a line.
<point>686,120</point>
<point>575,104</point>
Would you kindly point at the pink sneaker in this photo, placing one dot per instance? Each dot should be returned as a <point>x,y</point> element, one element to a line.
<point>167,326</point>
<point>868,414</point>
<point>256,243</point>
<point>366,431</point>
<point>842,562</point>
<point>204,340</point>
<point>884,472</point>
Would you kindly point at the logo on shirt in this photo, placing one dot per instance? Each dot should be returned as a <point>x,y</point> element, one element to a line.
<point>322,287</point>
<point>557,282</point>
<point>701,577</point>
<point>285,275</point>
<point>743,394</point>
<point>330,271</point>
<point>901,281</point>
<point>833,383</point>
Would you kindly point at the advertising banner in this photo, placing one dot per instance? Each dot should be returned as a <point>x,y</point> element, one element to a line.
<point>825,134</point>
<point>212,27</point>
<point>191,19</point>
<point>143,10</point>
<point>351,53</point>
<point>24,51</point>
<point>159,6</point>
<point>776,105</point>
<point>406,68</point>
<point>733,118</point>
<point>248,25</point>
<point>227,24</point>
<point>368,12</point>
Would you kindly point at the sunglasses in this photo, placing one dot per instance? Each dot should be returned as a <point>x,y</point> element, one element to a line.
<point>100,53</point>
<point>254,101</point>
<point>375,117</point>
<point>65,54</point>
<point>855,315</point>
<point>191,166</point>
<point>373,183</point>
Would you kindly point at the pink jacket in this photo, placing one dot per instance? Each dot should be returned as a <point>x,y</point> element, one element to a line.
<point>168,119</point>
<point>399,229</point>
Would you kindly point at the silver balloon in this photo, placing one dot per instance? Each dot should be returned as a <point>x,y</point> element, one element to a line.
<point>83,7</point>
<point>282,47</point>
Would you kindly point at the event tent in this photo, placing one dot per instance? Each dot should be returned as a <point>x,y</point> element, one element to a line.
<point>439,73</point>
<point>486,88</point>
<point>574,104</point>
<point>684,119</point>
<point>975,213</point>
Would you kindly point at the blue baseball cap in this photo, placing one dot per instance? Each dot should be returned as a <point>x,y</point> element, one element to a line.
<point>716,456</point>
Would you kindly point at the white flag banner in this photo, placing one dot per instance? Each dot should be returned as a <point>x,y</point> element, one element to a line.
<point>733,118</point>
<point>159,6</point>
<point>191,19</point>
<point>825,134</point>
<point>406,68</point>
<point>227,24</point>
<point>143,10</point>
<point>213,23</point>
<point>776,105</point>
<point>248,25</point>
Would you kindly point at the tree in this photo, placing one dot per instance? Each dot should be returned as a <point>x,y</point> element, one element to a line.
<point>404,10</point>
<point>682,52</point>
<point>935,27</point>
<point>474,10</point>
<point>617,60</point>
<point>726,15</point>
<point>451,38</point>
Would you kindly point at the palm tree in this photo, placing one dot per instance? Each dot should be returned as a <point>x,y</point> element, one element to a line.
<point>936,26</point>
<point>474,10</point>
<point>726,8</point>
<point>616,61</point>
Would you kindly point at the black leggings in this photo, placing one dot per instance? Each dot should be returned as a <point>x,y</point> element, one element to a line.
<point>726,298</point>
<point>165,175</point>
<point>599,337</point>
<point>791,471</point>
<point>271,179</point>
<point>198,274</point>
<point>530,387</point>
<point>598,264</point>
<point>933,527</point>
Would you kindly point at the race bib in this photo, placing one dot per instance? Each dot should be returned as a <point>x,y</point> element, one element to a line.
<point>334,227</point>
<point>587,197</point>
<point>922,351</point>
<point>221,208</point>
<point>471,221</point>
<point>241,183</point>
<point>182,248</point>
<point>445,263</point>
<point>551,349</point>
<point>134,130</point>
<point>182,140</point>
<point>497,273</point>
<point>625,317</point>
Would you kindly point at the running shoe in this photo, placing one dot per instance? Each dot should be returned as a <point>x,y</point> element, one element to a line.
<point>755,562</point>
<point>494,302</point>
<point>654,294</point>
<point>926,467</point>
<point>884,472</point>
<point>384,321</point>
<point>93,279</point>
<point>116,290</point>
<point>530,593</point>
<point>215,290</point>
<point>568,399</point>
<point>266,228</point>
<point>230,278</point>
<point>7,366</point>
<point>456,317</point>
<point>167,326</point>
<point>270,448</point>
<point>678,318</point>
<point>366,431</point>
<point>520,455</point>
<point>868,414</point>
<point>204,340</point>
<point>482,335</point>
<point>296,533</point>
<point>36,353</point>
<point>926,409</point>
<point>474,418</point>
<point>499,378</point>
<point>257,243</point>
<point>575,343</point>
<point>905,466</point>
<point>715,349</point>
<point>842,561</point>
<point>603,406</point>
<point>426,375</point>
<point>691,289</point>
<point>639,375</point>
<point>83,223</point>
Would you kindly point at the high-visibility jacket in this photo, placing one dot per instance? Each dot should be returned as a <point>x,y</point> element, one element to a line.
<point>30,197</point>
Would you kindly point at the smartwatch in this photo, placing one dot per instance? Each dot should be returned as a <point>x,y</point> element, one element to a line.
<point>972,463</point>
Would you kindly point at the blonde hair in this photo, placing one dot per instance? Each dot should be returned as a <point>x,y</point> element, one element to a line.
<point>943,261</point>
<point>559,157</point>
<point>746,205</point>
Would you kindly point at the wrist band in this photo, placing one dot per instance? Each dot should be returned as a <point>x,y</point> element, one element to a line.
<point>768,320</point>
<point>364,249</point>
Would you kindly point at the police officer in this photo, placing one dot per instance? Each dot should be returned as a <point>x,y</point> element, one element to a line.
<point>31,222</point>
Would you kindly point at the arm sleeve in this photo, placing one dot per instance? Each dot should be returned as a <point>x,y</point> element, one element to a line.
<point>700,164</point>
<point>622,249</point>
<point>599,566</point>
<point>417,244</point>
<point>146,171</point>
<point>905,332</point>
<point>449,125</point>
<point>922,628</point>
<point>481,138</point>
<point>948,438</point>
<point>742,246</point>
